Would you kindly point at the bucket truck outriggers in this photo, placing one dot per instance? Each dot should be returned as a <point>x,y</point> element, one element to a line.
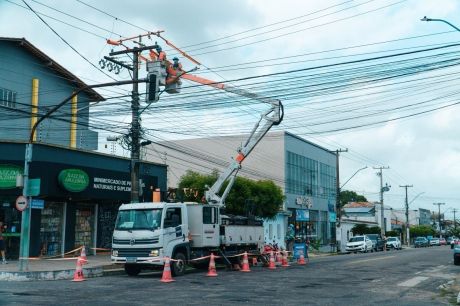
<point>146,233</point>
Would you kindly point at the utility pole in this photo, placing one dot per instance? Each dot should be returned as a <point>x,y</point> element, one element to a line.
<point>455,220</point>
<point>439,216</point>
<point>337,173</point>
<point>407,215</point>
<point>382,189</point>
<point>135,116</point>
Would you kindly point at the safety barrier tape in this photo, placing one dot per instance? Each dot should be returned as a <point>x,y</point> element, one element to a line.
<point>54,257</point>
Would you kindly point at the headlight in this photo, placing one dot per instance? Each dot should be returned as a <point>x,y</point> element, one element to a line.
<point>154,253</point>
<point>115,253</point>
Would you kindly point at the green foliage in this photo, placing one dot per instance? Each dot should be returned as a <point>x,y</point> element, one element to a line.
<point>392,234</point>
<point>421,230</point>
<point>260,198</point>
<point>350,196</point>
<point>363,229</point>
<point>454,232</point>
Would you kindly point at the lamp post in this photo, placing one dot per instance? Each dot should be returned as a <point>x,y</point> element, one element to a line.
<point>339,209</point>
<point>440,20</point>
<point>26,214</point>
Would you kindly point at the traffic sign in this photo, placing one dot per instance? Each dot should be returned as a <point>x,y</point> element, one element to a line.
<point>21,203</point>
<point>37,204</point>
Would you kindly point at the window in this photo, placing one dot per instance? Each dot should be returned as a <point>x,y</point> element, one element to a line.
<point>173,217</point>
<point>270,231</point>
<point>278,231</point>
<point>209,215</point>
<point>7,98</point>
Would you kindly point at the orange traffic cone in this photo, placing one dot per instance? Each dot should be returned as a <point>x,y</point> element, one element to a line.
<point>271,264</point>
<point>245,263</point>
<point>83,255</point>
<point>212,267</point>
<point>166,277</point>
<point>78,275</point>
<point>278,258</point>
<point>285,260</point>
<point>301,260</point>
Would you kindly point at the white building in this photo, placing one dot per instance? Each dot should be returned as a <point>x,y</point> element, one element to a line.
<point>304,171</point>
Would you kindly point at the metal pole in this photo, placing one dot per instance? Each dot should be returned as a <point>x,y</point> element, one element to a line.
<point>382,216</point>
<point>24,242</point>
<point>135,130</point>
<point>407,216</point>
<point>439,217</point>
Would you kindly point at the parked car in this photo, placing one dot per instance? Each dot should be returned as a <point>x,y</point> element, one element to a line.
<point>435,241</point>
<point>377,242</point>
<point>421,242</point>
<point>457,254</point>
<point>442,241</point>
<point>359,244</point>
<point>393,243</point>
<point>453,241</point>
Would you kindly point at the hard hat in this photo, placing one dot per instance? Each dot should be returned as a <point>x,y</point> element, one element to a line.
<point>175,59</point>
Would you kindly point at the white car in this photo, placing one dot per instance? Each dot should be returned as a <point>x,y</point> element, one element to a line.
<point>359,244</point>
<point>393,243</point>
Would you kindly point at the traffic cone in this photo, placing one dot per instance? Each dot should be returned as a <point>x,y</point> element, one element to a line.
<point>301,260</point>
<point>245,263</point>
<point>212,267</point>
<point>83,255</point>
<point>285,260</point>
<point>271,264</point>
<point>278,258</point>
<point>166,277</point>
<point>78,275</point>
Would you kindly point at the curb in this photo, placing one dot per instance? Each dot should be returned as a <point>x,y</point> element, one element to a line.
<point>49,275</point>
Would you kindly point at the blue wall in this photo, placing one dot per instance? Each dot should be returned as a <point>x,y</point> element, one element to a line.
<point>18,67</point>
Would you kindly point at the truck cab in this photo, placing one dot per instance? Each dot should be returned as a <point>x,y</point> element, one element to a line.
<point>147,232</point>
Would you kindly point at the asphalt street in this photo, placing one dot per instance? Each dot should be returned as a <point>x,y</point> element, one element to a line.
<point>407,277</point>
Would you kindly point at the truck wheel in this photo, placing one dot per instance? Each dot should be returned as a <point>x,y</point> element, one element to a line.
<point>456,261</point>
<point>132,270</point>
<point>178,266</point>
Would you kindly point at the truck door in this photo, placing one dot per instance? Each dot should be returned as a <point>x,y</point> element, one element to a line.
<point>174,229</point>
<point>210,226</point>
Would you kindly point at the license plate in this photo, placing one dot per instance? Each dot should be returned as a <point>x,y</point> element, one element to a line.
<point>131,259</point>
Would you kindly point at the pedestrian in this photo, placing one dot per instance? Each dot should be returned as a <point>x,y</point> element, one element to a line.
<point>290,234</point>
<point>2,244</point>
<point>384,238</point>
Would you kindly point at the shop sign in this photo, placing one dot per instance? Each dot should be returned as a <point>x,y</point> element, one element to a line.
<point>104,183</point>
<point>33,187</point>
<point>37,204</point>
<point>8,174</point>
<point>300,248</point>
<point>73,180</point>
<point>302,215</point>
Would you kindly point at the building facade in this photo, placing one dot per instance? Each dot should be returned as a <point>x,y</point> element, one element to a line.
<point>74,192</point>
<point>31,84</point>
<point>304,171</point>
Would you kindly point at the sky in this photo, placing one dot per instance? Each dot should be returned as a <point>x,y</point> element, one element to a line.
<point>319,58</point>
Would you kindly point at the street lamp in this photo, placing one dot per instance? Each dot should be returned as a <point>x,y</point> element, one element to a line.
<point>441,20</point>
<point>26,214</point>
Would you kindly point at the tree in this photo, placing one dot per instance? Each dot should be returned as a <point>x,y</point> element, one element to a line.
<point>259,198</point>
<point>421,230</point>
<point>350,196</point>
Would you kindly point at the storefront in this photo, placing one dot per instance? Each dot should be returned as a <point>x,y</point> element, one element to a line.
<point>78,197</point>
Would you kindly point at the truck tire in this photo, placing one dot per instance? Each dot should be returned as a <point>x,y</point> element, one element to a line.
<point>132,270</point>
<point>178,266</point>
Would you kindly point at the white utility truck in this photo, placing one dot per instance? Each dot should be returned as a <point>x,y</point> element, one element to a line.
<point>146,233</point>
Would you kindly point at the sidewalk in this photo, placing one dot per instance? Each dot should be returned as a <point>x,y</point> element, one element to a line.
<point>59,268</point>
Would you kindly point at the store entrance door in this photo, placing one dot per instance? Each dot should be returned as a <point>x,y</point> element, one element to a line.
<point>84,227</point>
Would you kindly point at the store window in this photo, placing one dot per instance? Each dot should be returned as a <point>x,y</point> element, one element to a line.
<point>84,226</point>
<point>51,229</point>
<point>11,218</point>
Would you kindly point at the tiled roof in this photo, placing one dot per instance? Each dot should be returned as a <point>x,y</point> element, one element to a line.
<point>359,205</point>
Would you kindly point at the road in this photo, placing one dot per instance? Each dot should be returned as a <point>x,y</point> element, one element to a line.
<point>407,277</point>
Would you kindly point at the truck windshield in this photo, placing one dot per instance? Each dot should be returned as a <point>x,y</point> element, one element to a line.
<point>138,219</point>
